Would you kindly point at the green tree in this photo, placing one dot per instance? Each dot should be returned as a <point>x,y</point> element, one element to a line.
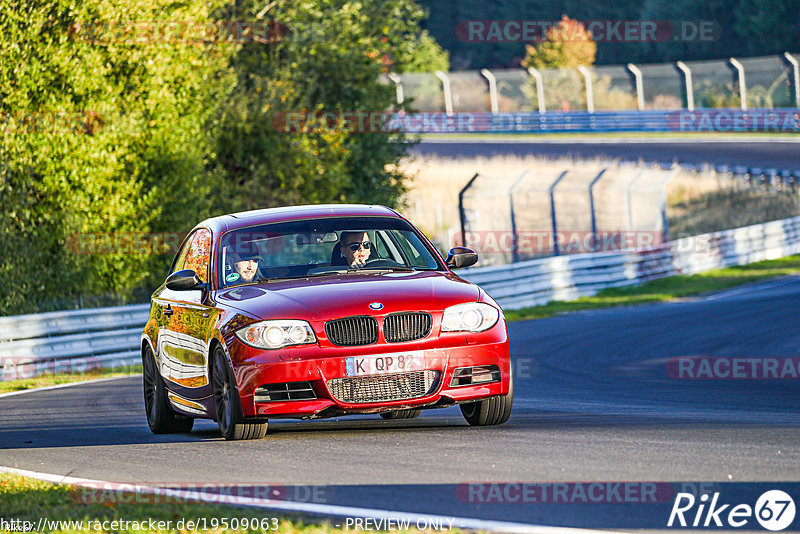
<point>102,138</point>
<point>768,26</point>
<point>331,60</point>
<point>567,44</point>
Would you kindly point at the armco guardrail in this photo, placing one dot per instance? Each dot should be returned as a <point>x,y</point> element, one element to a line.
<point>109,337</point>
<point>786,120</point>
<point>31,345</point>
<point>539,281</point>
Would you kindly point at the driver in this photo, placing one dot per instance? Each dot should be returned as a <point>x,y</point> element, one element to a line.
<point>355,247</point>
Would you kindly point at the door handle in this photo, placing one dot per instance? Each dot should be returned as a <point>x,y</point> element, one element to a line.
<point>168,310</point>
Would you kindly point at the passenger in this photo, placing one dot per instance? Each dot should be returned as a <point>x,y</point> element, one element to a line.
<point>244,268</point>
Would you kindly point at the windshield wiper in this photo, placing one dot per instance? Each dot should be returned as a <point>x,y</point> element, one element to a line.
<point>380,269</point>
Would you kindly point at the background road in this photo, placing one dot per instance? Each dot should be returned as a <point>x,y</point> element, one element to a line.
<point>593,403</point>
<point>764,152</point>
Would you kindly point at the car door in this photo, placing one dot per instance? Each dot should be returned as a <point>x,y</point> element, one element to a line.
<point>183,343</point>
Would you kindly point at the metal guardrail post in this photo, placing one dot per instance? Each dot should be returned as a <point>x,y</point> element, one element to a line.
<point>540,88</point>
<point>448,95</point>
<point>587,74</point>
<point>462,216</point>
<point>552,191</point>
<point>795,76</point>
<point>492,90</point>
<point>398,85</point>
<point>687,78</point>
<point>742,82</point>
<point>637,81</point>
<point>592,208</point>
<point>515,251</point>
<point>629,197</point>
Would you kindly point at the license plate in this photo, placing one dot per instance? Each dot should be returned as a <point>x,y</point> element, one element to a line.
<point>385,363</point>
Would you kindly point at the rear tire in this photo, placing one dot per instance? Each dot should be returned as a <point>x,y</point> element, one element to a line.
<point>160,417</point>
<point>401,414</point>
<point>491,411</point>
<point>227,405</point>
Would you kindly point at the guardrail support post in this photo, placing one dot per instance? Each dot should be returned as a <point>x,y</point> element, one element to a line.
<point>687,79</point>
<point>540,88</point>
<point>742,82</point>
<point>515,253</point>
<point>448,95</point>
<point>492,90</point>
<point>795,76</point>
<point>637,80</point>
<point>462,216</point>
<point>592,207</point>
<point>552,191</point>
<point>587,74</point>
<point>398,86</point>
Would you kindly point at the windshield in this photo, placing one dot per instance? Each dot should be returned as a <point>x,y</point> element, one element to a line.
<point>320,247</point>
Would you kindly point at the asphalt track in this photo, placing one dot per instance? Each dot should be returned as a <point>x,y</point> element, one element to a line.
<point>594,402</point>
<point>779,153</point>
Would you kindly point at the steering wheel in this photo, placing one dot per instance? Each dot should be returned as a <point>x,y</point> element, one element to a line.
<point>381,262</point>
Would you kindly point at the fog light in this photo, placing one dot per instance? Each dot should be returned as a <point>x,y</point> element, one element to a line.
<point>470,376</point>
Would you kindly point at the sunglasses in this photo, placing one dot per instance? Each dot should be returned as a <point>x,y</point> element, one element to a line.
<point>355,246</point>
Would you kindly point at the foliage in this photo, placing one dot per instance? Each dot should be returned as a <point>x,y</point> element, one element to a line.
<point>75,509</point>
<point>716,95</point>
<point>424,55</point>
<point>330,61</point>
<point>97,138</point>
<point>567,44</point>
<point>114,135</point>
<point>741,28</point>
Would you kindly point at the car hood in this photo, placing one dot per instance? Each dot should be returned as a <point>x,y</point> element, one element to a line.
<point>327,297</point>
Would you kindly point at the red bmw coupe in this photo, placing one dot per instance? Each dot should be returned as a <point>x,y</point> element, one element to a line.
<point>319,311</point>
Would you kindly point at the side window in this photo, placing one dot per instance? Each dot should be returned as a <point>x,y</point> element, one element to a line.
<point>383,246</point>
<point>199,254</point>
<point>180,259</point>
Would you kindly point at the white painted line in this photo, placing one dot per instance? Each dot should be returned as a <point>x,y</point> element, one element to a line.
<point>59,386</point>
<point>753,287</point>
<point>311,508</point>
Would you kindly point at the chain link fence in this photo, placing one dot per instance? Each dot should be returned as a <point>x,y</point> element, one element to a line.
<point>516,209</point>
<point>587,207</point>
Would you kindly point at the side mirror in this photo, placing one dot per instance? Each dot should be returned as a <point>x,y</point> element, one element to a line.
<point>458,257</point>
<point>184,280</point>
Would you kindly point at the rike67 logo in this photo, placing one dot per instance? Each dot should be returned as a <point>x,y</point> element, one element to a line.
<point>774,510</point>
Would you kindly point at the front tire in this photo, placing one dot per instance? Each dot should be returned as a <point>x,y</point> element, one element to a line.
<point>491,411</point>
<point>401,414</point>
<point>227,406</point>
<point>160,417</point>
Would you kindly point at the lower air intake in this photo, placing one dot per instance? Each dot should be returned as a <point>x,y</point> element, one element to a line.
<point>384,388</point>
<point>284,392</point>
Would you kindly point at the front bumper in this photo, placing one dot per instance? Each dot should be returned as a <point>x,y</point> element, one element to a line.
<point>319,369</point>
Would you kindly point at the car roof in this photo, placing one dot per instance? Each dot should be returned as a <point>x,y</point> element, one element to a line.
<point>231,221</point>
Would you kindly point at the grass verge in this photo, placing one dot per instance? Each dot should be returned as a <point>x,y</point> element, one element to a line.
<point>50,379</point>
<point>665,289</point>
<point>31,500</point>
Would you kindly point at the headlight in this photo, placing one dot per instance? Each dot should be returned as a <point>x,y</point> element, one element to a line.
<point>277,334</point>
<point>469,317</point>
